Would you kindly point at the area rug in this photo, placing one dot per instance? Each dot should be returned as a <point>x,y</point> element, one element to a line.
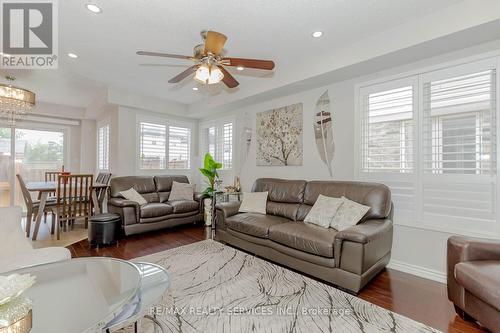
<point>216,288</point>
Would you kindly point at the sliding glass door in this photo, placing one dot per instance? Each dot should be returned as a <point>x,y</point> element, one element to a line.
<point>29,152</point>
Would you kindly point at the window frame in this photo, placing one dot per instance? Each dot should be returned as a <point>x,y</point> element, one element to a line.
<point>99,126</point>
<point>167,123</point>
<point>219,143</point>
<point>450,69</point>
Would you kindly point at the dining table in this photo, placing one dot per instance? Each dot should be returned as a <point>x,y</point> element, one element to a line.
<point>45,188</point>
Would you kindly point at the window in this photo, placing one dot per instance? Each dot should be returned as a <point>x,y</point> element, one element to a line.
<point>103,148</point>
<point>217,139</point>
<point>432,139</point>
<point>179,143</point>
<point>458,115</point>
<point>153,143</point>
<point>227,146</point>
<point>388,131</point>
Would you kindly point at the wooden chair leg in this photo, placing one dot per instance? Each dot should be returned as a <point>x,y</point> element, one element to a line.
<point>58,227</point>
<point>53,223</point>
<point>29,219</point>
<point>86,223</point>
<point>44,217</point>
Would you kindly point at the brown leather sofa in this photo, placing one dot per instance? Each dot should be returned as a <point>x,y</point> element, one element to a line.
<point>348,259</point>
<point>474,279</point>
<point>159,212</point>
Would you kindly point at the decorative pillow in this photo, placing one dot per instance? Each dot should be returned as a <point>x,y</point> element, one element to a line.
<point>323,211</point>
<point>132,195</point>
<point>349,214</point>
<point>181,191</point>
<point>254,202</point>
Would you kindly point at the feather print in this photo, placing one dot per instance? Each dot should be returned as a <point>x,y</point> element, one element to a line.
<point>323,131</point>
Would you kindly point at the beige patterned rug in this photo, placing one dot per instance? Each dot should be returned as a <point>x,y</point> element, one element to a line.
<point>216,288</point>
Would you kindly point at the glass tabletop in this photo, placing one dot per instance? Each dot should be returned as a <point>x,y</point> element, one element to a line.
<point>154,284</point>
<point>81,295</point>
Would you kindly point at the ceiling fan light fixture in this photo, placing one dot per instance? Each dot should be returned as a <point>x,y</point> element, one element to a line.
<point>207,74</point>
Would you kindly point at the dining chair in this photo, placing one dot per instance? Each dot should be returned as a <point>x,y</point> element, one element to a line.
<point>102,178</point>
<point>73,200</point>
<point>33,205</point>
<point>51,176</point>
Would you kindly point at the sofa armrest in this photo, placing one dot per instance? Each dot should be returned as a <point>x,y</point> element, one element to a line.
<point>127,209</point>
<point>200,198</point>
<point>460,249</point>
<point>228,208</point>
<point>359,247</point>
<point>365,232</point>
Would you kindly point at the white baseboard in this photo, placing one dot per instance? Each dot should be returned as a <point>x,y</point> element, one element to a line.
<point>420,271</point>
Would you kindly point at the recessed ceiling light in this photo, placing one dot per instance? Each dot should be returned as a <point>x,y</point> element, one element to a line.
<point>195,88</point>
<point>240,68</point>
<point>5,55</point>
<point>72,55</point>
<point>317,34</point>
<point>93,8</point>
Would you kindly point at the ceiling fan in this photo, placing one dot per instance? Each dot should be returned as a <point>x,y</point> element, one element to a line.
<point>210,60</point>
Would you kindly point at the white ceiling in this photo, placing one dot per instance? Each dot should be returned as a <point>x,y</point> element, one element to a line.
<point>279,30</point>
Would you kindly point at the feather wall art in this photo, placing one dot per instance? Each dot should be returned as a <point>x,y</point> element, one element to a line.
<point>323,131</point>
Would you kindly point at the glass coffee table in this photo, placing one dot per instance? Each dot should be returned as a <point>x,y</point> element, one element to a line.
<point>94,294</point>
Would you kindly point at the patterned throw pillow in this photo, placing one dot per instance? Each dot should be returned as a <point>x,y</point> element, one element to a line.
<point>254,202</point>
<point>181,191</point>
<point>349,214</point>
<point>132,195</point>
<point>323,211</point>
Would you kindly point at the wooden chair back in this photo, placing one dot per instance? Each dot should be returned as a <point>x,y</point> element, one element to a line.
<point>51,176</point>
<point>74,197</point>
<point>103,177</point>
<point>24,190</point>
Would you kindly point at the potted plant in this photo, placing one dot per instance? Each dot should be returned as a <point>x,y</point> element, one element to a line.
<point>209,170</point>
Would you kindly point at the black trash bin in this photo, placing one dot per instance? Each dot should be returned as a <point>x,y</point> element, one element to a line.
<point>104,229</point>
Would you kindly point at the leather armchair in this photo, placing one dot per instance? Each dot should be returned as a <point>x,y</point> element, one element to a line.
<point>473,276</point>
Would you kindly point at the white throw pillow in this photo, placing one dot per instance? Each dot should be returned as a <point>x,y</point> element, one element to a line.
<point>181,191</point>
<point>132,195</point>
<point>349,214</point>
<point>323,211</point>
<point>254,202</point>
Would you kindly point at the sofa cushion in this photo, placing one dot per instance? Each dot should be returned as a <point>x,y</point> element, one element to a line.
<point>254,224</point>
<point>164,184</point>
<point>305,237</point>
<point>377,196</point>
<point>481,279</point>
<point>281,190</point>
<point>144,185</point>
<point>184,206</point>
<point>155,210</point>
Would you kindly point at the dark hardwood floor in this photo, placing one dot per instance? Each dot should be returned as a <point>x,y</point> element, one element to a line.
<point>417,298</point>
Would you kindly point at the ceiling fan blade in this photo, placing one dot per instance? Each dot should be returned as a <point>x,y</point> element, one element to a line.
<point>184,74</point>
<point>249,63</point>
<point>165,55</point>
<point>215,42</point>
<point>228,79</point>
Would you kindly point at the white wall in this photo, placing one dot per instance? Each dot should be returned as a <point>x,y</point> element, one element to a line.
<point>415,250</point>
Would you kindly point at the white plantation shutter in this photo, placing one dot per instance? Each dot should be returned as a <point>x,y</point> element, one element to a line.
<point>103,148</point>
<point>387,141</point>
<point>388,131</point>
<point>217,139</point>
<point>459,148</point>
<point>227,146</point>
<point>179,144</point>
<point>432,138</point>
<point>153,139</point>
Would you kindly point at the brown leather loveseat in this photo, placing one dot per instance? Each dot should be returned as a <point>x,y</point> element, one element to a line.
<point>474,279</point>
<point>348,259</point>
<point>159,212</point>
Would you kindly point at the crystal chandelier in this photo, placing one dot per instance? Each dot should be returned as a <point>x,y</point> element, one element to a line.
<point>14,102</point>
